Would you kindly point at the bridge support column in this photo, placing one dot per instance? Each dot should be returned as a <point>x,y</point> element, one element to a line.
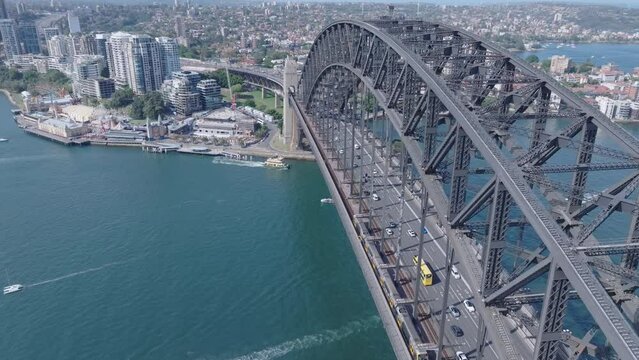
<point>584,156</point>
<point>552,315</point>
<point>496,240</point>
<point>263,92</point>
<point>631,258</point>
<point>289,128</point>
<point>460,173</point>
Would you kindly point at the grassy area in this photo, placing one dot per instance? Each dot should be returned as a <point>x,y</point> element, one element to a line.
<point>268,101</point>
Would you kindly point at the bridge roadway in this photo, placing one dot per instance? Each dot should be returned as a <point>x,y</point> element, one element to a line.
<point>386,184</point>
<point>389,189</point>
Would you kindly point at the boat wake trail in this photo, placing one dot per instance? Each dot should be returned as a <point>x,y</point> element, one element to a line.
<point>246,163</point>
<point>107,265</point>
<point>310,341</point>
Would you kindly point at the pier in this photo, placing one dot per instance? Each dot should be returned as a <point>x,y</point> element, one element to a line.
<point>57,138</point>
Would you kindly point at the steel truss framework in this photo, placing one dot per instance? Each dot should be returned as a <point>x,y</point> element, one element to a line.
<point>457,103</point>
<point>426,77</point>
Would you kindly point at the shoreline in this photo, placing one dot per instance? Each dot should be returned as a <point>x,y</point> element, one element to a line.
<point>248,151</point>
<point>9,96</point>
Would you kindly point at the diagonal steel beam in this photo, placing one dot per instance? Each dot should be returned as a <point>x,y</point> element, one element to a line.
<point>517,283</point>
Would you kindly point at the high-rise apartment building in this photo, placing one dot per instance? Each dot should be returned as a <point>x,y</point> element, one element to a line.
<point>144,64</point>
<point>117,58</point>
<point>28,38</point>
<point>170,56</point>
<point>9,37</point>
<point>74,23</point>
<point>61,46</point>
<point>101,44</point>
<point>3,10</point>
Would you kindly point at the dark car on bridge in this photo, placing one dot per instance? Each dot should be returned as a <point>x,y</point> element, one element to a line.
<point>457,331</point>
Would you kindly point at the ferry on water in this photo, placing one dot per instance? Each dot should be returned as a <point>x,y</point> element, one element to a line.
<point>3,140</point>
<point>13,289</point>
<point>276,162</point>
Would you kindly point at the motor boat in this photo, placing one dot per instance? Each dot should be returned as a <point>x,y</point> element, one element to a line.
<point>326,201</point>
<point>12,289</point>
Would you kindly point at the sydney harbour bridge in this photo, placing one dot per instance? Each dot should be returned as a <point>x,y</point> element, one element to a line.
<point>442,149</point>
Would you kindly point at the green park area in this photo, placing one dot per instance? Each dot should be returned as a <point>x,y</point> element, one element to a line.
<point>254,99</point>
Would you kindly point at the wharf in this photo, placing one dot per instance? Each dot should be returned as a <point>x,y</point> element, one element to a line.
<point>59,139</point>
<point>115,143</point>
<point>200,151</point>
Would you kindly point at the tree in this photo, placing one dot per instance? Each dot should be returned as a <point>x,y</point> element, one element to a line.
<point>250,103</point>
<point>153,104</point>
<point>546,64</point>
<point>237,88</point>
<point>136,111</point>
<point>533,59</point>
<point>121,98</point>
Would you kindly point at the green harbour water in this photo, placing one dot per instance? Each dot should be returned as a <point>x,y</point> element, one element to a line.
<point>131,255</point>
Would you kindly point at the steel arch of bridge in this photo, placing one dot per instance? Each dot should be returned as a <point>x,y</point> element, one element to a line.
<point>420,72</point>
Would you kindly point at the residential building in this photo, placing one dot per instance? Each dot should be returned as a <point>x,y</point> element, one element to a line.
<point>117,57</point>
<point>74,23</point>
<point>607,106</point>
<point>191,77</point>
<point>28,38</point>
<point>181,96</point>
<point>143,63</point>
<point>100,88</point>
<point>51,32</point>
<point>101,44</point>
<point>9,37</point>
<point>559,64</point>
<point>87,66</point>
<point>85,44</point>
<point>210,94</point>
<point>170,56</point>
<point>3,10</point>
<point>61,46</point>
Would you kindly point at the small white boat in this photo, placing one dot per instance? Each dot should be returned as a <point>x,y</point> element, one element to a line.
<point>326,201</point>
<point>3,140</point>
<point>12,289</point>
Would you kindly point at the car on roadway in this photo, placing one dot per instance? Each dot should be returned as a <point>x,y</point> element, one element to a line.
<point>425,231</point>
<point>392,224</point>
<point>374,171</point>
<point>411,233</point>
<point>358,157</point>
<point>460,355</point>
<point>454,311</point>
<point>456,330</point>
<point>389,231</point>
<point>341,151</point>
<point>455,272</point>
<point>356,146</point>
<point>375,197</point>
<point>469,306</point>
